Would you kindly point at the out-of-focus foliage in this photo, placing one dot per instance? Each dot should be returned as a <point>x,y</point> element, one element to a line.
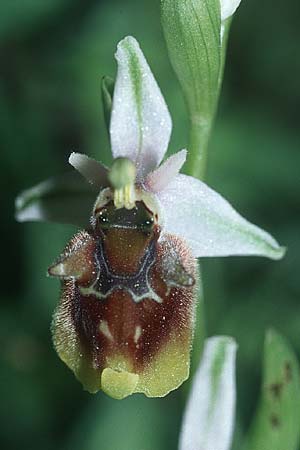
<point>276,421</point>
<point>53,55</point>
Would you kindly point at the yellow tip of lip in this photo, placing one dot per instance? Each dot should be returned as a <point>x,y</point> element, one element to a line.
<point>118,385</point>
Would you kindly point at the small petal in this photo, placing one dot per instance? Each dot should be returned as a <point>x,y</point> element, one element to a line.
<point>158,180</point>
<point>228,8</point>
<point>64,199</point>
<point>94,172</point>
<point>140,122</point>
<point>209,417</point>
<point>209,223</point>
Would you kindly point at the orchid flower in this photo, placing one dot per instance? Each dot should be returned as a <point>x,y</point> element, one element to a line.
<point>129,280</point>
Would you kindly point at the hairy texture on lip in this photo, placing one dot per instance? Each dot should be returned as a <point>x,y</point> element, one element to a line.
<point>77,260</point>
<point>148,338</point>
<point>67,341</point>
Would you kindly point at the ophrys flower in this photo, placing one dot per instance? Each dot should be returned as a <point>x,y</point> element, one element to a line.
<point>129,280</point>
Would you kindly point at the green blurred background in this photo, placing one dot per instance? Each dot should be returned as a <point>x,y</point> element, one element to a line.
<point>53,55</point>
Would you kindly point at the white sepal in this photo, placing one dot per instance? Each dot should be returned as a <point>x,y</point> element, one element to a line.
<point>63,199</point>
<point>140,124</point>
<point>209,223</point>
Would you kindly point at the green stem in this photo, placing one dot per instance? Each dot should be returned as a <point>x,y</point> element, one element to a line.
<point>196,165</point>
<point>199,135</point>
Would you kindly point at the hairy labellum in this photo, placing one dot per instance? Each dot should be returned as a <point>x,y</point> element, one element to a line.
<point>124,323</point>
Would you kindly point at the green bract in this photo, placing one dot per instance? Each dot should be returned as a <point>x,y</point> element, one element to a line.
<point>196,36</point>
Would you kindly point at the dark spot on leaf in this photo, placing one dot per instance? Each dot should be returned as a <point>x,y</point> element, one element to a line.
<point>276,389</point>
<point>275,422</point>
<point>288,375</point>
